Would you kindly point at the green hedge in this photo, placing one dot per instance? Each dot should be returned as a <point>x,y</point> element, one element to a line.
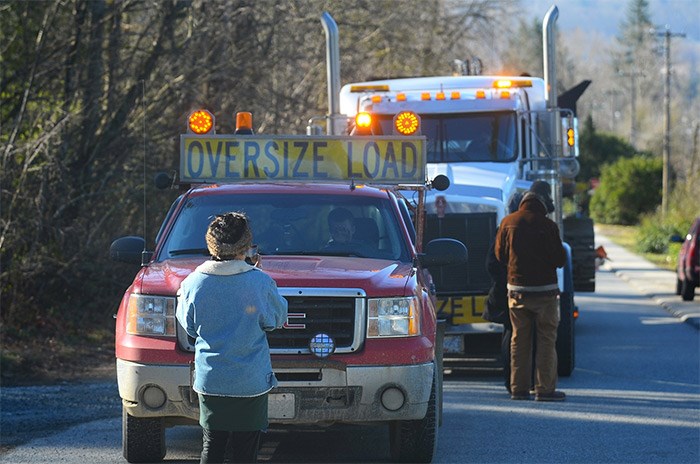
<point>629,188</point>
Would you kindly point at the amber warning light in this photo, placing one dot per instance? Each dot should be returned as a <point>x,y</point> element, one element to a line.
<point>201,122</point>
<point>407,123</point>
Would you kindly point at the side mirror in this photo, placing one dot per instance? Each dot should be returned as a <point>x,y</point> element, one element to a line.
<point>675,238</point>
<point>443,252</point>
<point>130,250</point>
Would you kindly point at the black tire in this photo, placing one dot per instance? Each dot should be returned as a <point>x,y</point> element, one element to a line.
<point>679,286</point>
<point>566,337</point>
<point>687,291</point>
<point>416,440</point>
<point>143,438</point>
<point>579,234</point>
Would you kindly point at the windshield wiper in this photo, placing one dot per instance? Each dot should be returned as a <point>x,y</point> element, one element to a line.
<point>190,251</point>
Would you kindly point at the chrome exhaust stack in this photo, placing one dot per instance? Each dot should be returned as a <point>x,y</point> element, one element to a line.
<point>335,120</point>
<point>550,55</point>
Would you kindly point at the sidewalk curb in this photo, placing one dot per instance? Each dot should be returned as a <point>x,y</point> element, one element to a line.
<point>693,319</point>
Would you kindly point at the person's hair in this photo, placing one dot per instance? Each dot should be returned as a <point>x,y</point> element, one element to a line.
<point>340,215</point>
<point>228,236</point>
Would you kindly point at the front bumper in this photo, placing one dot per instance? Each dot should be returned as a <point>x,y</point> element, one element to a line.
<point>308,392</point>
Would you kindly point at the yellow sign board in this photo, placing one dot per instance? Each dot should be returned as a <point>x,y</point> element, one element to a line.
<point>463,309</point>
<point>235,158</point>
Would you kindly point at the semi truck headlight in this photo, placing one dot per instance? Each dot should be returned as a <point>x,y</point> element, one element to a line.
<point>392,317</point>
<point>150,315</point>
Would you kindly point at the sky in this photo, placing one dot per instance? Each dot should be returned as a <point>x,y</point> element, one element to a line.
<point>605,16</point>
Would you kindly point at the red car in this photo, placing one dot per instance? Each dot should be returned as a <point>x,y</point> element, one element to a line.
<point>688,271</point>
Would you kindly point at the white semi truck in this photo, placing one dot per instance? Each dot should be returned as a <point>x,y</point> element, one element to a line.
<point>491,136</point>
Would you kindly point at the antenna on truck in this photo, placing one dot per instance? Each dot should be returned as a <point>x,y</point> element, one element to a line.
<point>145,255</point>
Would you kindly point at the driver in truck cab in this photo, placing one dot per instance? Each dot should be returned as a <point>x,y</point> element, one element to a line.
<point>341,225</point>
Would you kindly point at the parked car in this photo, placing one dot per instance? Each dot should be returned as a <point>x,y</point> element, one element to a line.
<point>688,270</point>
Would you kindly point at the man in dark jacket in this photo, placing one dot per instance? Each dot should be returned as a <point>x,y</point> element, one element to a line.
<point>528,243</point>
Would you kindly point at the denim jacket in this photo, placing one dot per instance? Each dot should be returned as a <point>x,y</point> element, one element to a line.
<point>227,306</point>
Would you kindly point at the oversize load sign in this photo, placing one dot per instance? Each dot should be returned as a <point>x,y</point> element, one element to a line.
<point>226,159</point>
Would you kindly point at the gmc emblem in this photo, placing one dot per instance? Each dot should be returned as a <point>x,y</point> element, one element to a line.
<point>292,325</point>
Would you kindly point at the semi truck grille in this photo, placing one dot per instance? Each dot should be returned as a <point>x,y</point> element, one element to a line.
<point>476,231</point>
<point>308,316</point>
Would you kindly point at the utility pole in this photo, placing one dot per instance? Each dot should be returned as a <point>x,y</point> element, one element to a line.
<point>666,180</point>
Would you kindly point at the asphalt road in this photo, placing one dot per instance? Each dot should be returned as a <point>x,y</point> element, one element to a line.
<point>633,398</point>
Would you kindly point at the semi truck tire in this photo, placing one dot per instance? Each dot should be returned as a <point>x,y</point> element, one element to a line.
<point>579,234</point>
<point>566,339</point>
<point>416,440</point>
<point>143,438</point>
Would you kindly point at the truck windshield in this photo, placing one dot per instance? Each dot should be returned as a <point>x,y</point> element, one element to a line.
<point>295,225</point>
<point>466,137</point>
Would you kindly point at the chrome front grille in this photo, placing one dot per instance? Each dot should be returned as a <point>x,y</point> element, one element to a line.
<point>335,312</point>
<point>339,313</point>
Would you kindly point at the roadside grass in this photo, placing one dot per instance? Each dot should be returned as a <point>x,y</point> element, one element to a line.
<point>629,236</point>
<point>39,358</point>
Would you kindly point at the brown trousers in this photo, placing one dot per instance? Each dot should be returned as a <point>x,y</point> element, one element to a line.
<point>533,315</point>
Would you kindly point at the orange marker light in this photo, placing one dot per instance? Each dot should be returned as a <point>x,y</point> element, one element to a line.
<point>503,84</point>
<point>244,120</point>
<point>505,94</point>
<point>440,96</point>
<point>425,96</point>
<point>455,95</point>
<point>480,93</point>
<point>363,120</point>
<point>376,98</point>
<point>401,97</point>
<point>201,121</point>
<point>407,123</point>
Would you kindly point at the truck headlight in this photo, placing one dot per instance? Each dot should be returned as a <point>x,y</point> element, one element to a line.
<point>150,315</point>
<point>392,317</point>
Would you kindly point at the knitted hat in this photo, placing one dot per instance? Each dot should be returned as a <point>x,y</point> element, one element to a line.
<point>229,236</point>
<point>544,191</point>
<point>542,188</point>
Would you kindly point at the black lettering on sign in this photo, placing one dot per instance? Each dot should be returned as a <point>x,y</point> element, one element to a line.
<point>303,146</point>
<point>213,159</point>
<point>390,162</point>
<point>371,155</point>
<point>271,149</point>
<point>251,152</point>
<point>456,304</point>
<point>230,160</point>
<point>318,159</point>
<point>351,174</point>
<point>407,147</point>
<point>190,154</point>
<point>475,312</point>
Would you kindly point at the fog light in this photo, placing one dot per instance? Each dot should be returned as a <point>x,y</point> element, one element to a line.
<point>322,345</point>
<point>392,399</point>
<point>153,397</point>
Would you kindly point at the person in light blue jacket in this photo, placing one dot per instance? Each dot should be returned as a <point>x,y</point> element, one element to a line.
<point>227,305</point>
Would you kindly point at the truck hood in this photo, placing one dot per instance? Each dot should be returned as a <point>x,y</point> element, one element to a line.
<point>488,180</point>
<point>474,187</point>
<point>376,277</point>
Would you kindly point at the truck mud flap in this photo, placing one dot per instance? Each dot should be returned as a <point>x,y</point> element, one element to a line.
<point>579,234</point>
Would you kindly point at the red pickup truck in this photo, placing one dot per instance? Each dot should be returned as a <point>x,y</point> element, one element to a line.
<point>360,344</point>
